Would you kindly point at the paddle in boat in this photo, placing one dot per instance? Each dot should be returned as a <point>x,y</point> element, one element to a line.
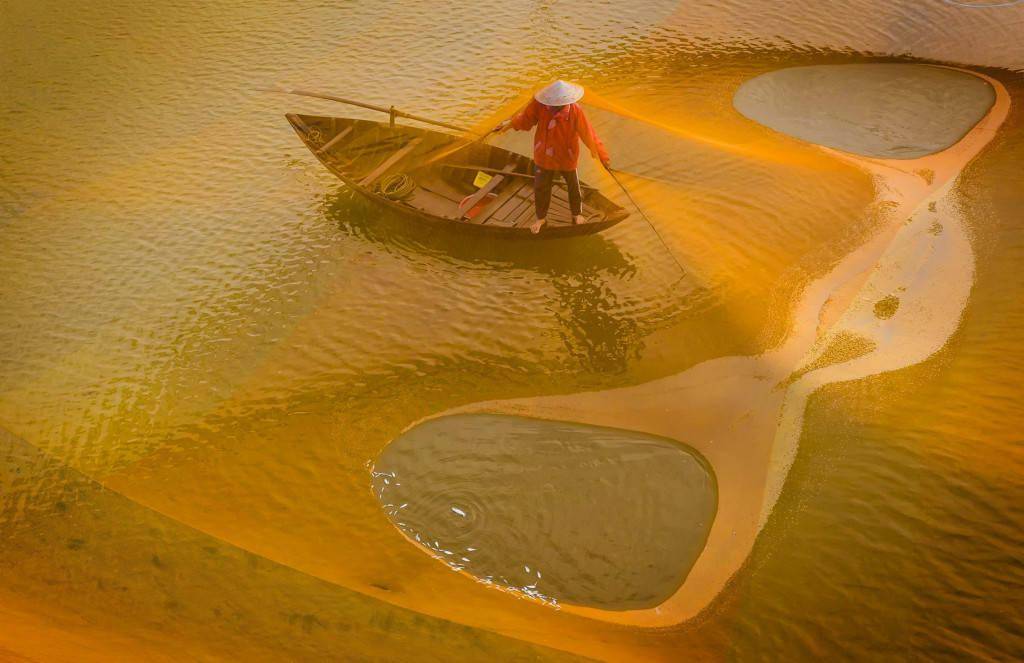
<point>435,177</point>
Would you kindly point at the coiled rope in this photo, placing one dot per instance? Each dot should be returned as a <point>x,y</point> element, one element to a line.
<point>396,186</point>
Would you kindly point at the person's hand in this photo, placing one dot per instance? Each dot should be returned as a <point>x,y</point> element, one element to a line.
<point>607,165</point>
<point>503,126</point>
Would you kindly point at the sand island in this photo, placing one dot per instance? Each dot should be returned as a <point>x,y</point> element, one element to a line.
<point>892,302</point>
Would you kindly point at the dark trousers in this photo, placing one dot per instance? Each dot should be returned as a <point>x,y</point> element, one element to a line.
<point>542,182</point>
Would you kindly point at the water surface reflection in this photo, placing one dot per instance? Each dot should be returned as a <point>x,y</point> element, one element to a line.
<point>557,511</point>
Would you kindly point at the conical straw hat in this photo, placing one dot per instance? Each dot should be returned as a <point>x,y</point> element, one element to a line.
<point>559,93</point>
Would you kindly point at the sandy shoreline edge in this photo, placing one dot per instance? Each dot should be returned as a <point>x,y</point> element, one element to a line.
<point>745,414</point>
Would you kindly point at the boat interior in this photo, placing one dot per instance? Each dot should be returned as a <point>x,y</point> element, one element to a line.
<point>442,176</point>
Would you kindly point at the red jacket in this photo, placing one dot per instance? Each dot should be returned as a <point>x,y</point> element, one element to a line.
<point>556,144</point>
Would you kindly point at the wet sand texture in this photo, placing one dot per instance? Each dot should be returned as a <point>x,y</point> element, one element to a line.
<point>890,111</point>
<point>744,414</point>
<point>131,584</point>
<point>594,516</point>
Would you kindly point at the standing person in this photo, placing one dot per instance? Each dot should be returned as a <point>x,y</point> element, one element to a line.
<point>561,124</point>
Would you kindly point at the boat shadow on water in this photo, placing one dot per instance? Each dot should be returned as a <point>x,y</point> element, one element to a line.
<point>398,234</point>
<point>601,328</point>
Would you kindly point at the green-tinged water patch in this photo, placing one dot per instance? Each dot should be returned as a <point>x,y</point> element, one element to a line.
<point>563,512</point>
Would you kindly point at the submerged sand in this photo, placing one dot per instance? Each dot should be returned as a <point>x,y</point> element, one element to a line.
<point>890,111</point>
<point>891,303</point>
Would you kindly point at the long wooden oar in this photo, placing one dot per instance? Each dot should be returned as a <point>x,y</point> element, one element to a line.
<point>390,110</point>
<point>393,112</point>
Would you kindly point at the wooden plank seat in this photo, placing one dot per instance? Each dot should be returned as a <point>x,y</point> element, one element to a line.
<point>505,213</point>
<point>506,200</point>
<point>425,198</point>
<point>485,189</point>
<point>359,155</point>
<point>390,161</point>
<point>525,215</point>
<point>334,141</point>
<point>447,195</point>
<point>557,215</point>
<point>357,152</point>
<point>438,196</point>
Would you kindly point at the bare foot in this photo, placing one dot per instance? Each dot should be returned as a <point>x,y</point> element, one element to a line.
<point>578,219</point>
<point>537,225</point>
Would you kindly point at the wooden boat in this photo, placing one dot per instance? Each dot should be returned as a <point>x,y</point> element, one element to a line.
<point>424,174</point>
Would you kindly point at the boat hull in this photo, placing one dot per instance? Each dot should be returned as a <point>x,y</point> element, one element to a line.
<point>362,154</point>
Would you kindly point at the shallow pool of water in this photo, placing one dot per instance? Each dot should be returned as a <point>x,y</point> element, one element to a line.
<point>562,512</point>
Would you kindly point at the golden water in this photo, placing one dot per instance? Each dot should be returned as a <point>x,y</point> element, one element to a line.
<point>204,339</point>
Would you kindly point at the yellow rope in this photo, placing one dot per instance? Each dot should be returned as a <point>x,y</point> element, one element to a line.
<point>396,186</point>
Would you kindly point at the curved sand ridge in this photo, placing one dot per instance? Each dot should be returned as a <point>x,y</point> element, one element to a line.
<point>891,303</point>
